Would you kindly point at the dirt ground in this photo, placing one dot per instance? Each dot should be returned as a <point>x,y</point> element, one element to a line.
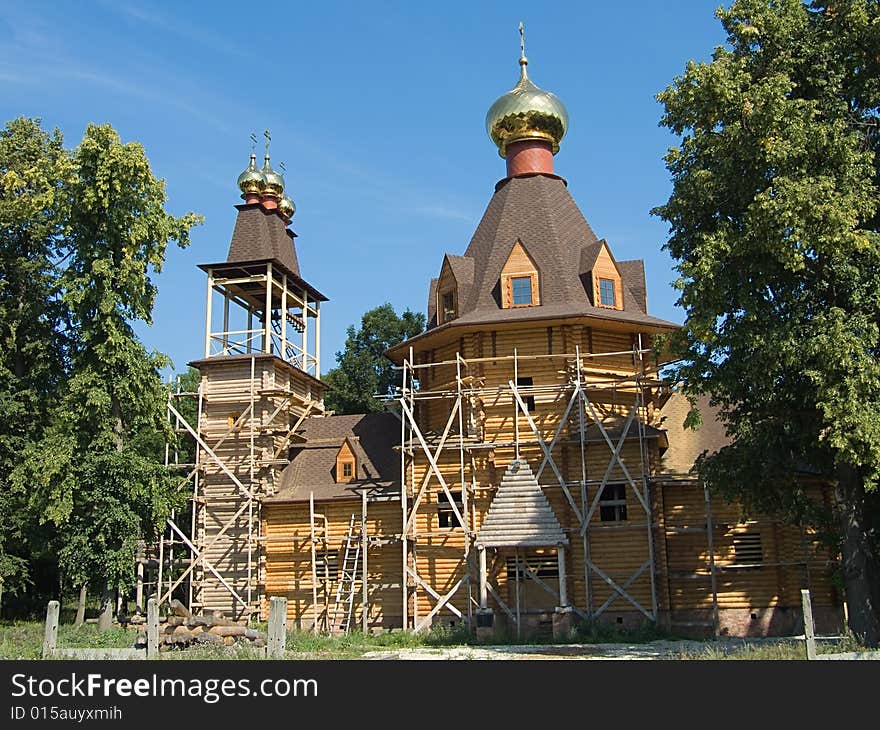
<point>653,650</point>
<point>787,648</point>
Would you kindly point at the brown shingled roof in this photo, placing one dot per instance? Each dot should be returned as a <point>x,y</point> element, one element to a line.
<point>633,275</point>
<point>261,234</point>
<point>539,211</point>
<point>312,467</point>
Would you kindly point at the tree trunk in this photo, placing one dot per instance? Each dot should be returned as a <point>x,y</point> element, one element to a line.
<point>860,560</point>
<point>105,619</point>
<point>81,606</point>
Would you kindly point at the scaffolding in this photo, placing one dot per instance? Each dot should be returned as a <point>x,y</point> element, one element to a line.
<point>637,393</point>
<point>258,384</point>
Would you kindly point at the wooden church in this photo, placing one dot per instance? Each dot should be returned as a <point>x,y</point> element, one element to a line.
<point>532,473</point>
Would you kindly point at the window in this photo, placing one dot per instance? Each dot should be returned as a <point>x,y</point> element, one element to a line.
<point>447,307</point>
<point>327,565</point>
<point>346,462</point>
<point>606,293</point>
<point>540,565</point>
<point>445,516</point>
<point>521,290</point>
<point>612,503</point>
<point>529,399</point>
<point>747,549</point>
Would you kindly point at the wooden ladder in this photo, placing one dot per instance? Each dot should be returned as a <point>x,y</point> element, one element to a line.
<point>343,609</point>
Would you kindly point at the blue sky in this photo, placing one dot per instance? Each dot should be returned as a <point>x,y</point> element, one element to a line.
<point>376,109</point>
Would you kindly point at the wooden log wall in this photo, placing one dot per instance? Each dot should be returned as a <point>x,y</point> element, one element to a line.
<point>618,547</point>
<point>227,389</point>
<point>287,546</point>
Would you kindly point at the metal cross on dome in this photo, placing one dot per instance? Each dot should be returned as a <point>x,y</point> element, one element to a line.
<point>253,142</point>
<point>522,40</point>
<point>268,139</point>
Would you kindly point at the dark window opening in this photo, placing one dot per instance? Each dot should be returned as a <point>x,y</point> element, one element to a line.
<point>327,565</point>
<point>606,293</point>
<point>447,306</point>
<point>612,503</point>
<point>747,549</point>
<point>540,566</point>
<point>445,515</point>
<point>521,290</point>
<point>347,469</point>
<point>528,399</point>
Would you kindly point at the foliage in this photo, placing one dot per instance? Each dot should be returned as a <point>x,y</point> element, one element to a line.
<point>34,167</point>
<point>362,370</point>
<point>774,225</point>
<point>94,476</point>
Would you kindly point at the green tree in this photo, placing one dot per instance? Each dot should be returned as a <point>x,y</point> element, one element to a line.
<point>94,475</point>
<point>774,225</point>
<point>34,167</point>
<point>362,370</point>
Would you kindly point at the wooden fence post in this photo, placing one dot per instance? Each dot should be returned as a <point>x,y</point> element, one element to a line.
<point>277,639</point>
<point>152,628</point>
<point>809,628</point>
<point>50,637</point>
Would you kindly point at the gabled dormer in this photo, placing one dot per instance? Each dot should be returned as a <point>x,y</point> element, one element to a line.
<point>601,277</point>
<point>520,284</point>
<point>346,463</point>
<point>452,287</point>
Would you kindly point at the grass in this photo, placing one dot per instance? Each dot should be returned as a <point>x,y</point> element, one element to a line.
<point>23,640</point>
<point>770,649</point>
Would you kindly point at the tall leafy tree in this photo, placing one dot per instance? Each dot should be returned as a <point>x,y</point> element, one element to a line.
<point>94,475</point>
<point>34,168</point>
<point>362,370</point>
<point>774,225</point>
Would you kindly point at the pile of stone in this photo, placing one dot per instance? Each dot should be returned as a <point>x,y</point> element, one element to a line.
<point>181,628</point>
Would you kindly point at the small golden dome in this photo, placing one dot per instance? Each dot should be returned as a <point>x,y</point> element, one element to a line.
<point>273,183</point>
<point>251,181</point>
<point>526,112</point>
<point>286,207</point>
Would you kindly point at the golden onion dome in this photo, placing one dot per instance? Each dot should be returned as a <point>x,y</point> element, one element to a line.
<point>273,183</point>
<point>526,112</point>
<point>286,207</point>
<point>251,181</point>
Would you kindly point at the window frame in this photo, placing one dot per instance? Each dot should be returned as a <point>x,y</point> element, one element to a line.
<point>446,519</point>
<point>447,314</point>
<point>613,284</point>
<point>529,398</point>
<point>612,508</point>
<point>507,298</point>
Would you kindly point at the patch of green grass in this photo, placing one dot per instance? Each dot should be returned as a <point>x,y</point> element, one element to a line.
<point>24,639</point>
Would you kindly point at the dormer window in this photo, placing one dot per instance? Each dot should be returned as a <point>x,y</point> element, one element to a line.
<point>346,463</point>
<point>519,280</point>
<point>607,296</point>
<point>447,307</point>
